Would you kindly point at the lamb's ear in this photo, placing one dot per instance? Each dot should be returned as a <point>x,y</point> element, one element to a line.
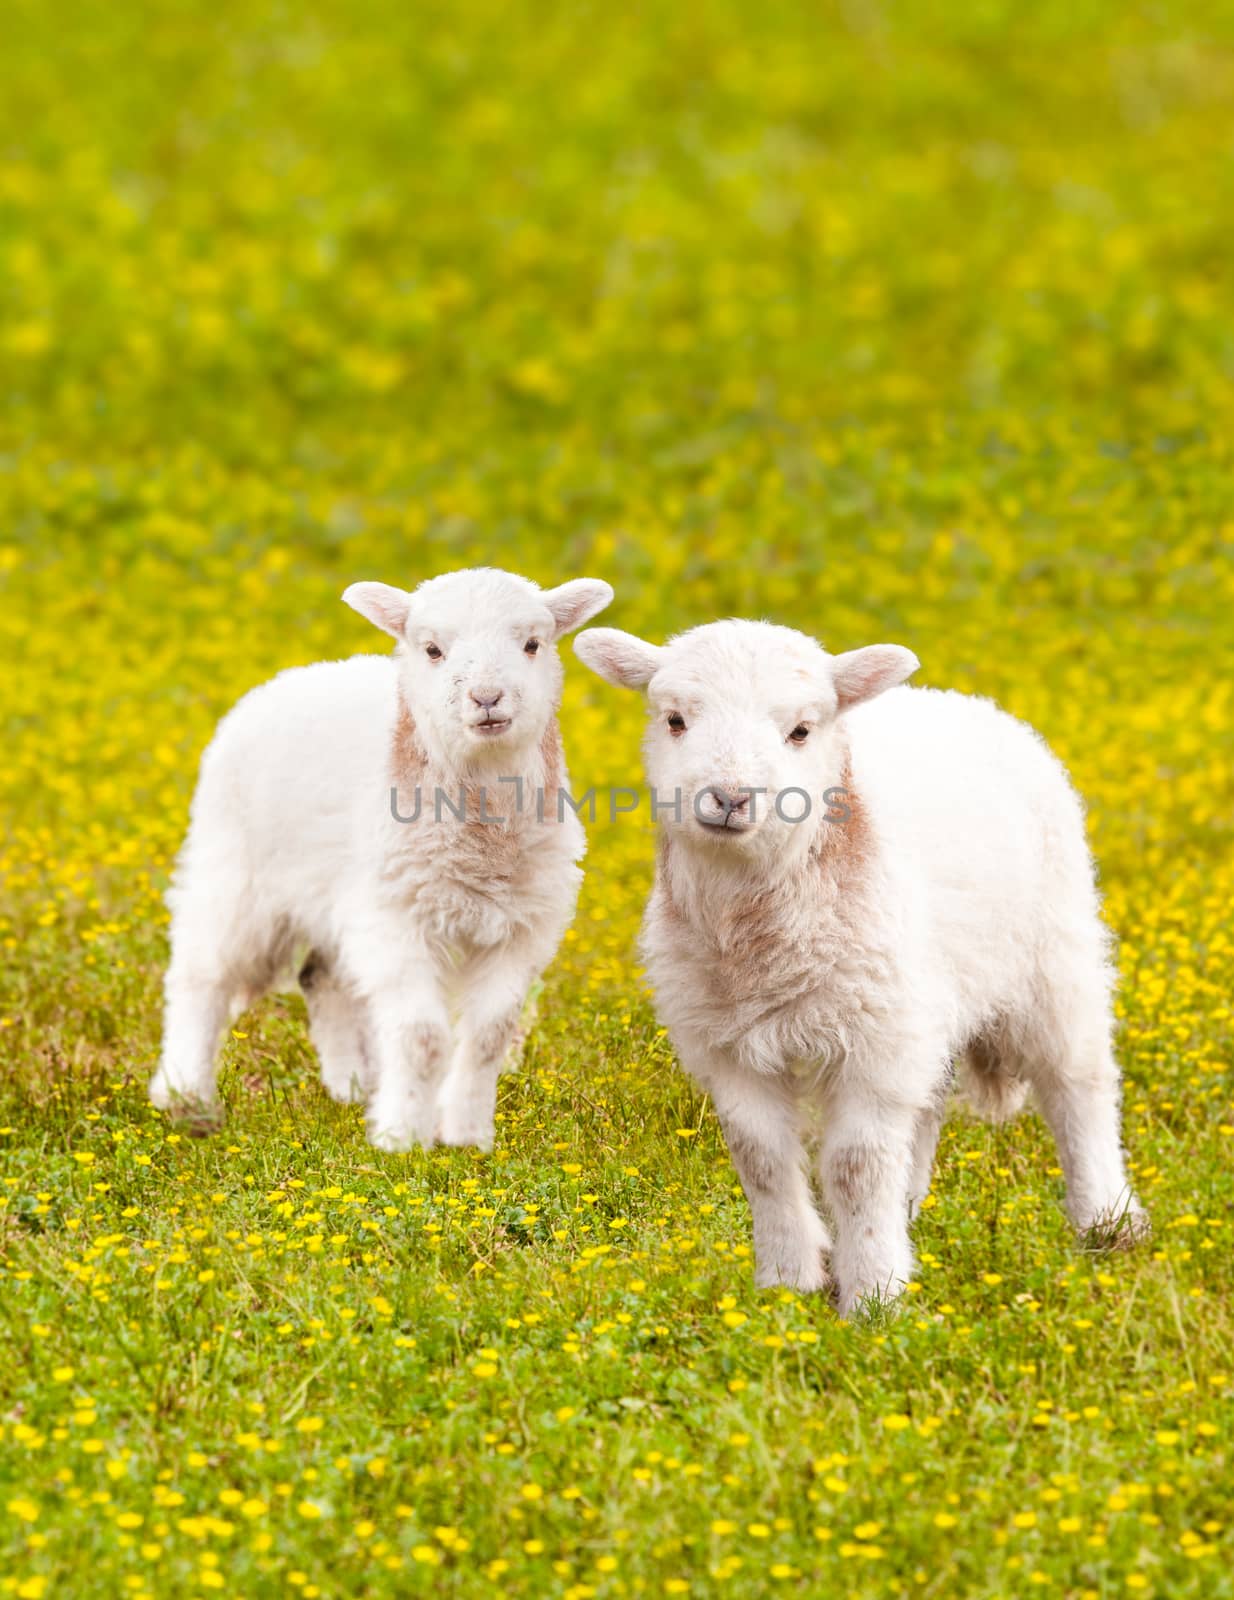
<point>577,602</point>
<point>861,674</point>
<point>618,657</point>
<point>383,605</point>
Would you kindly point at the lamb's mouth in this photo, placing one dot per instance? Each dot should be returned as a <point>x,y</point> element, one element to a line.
<point>491,727</point>
<point>726,825</point>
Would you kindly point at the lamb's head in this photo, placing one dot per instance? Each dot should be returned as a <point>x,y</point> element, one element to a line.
<point>477,657</point>
<point>742,715</point>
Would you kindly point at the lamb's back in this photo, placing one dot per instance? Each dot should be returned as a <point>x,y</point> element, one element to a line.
<point>979,836</point>
<point>954,773</point>
<point>289,765</point>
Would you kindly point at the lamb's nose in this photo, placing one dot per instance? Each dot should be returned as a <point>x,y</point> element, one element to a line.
<point>486,699</point>
<point>732,802</point>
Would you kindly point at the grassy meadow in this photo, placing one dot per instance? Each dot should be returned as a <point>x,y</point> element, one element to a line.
<point>886,321</point>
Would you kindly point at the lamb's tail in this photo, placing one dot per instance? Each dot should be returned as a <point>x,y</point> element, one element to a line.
<point>995,1092</point>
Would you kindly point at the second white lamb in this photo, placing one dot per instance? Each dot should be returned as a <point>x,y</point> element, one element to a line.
<point>857,884</point>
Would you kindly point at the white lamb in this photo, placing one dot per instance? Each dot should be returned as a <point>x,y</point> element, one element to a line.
<point>937,902</point>
<point>409,926</point>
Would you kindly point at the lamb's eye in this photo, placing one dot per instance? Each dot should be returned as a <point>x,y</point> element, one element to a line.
<point>676,722</point>
<point>432,652</point>
<point>799,734</point>
<point>531,647</point>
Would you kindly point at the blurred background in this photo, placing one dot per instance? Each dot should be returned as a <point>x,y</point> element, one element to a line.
<point>715,291</point>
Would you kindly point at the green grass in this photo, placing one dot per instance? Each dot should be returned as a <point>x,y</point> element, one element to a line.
<point>888,322</point>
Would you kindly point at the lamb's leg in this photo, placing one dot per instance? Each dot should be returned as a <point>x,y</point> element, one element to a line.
<point>492,1003</point>
<point>196,1007</point>
<point>1078,1092</point>
<point>468,1104</point>
<point>411,1049</point>
<point>221,960</point>
<point>759,1116</point>
<point>867,1167</point>
<point>337,1028</point>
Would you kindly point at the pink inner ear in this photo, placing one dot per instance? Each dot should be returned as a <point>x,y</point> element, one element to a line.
<point>393,617</point>
<point>866,673</point>
<point>859,681</point>
<point>571,604</point>
<point>618,658</point>
<point>378,603</point>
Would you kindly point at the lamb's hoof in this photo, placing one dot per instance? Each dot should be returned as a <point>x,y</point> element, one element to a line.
<point>460,1139</point>
<point>196,1114</point>
<point>803,1277</point>
<point>395,1141</point>
<point>1121,1230</point>
<point>396,1135</point>
<point>465,1133</point>
<point>867,1305</point>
